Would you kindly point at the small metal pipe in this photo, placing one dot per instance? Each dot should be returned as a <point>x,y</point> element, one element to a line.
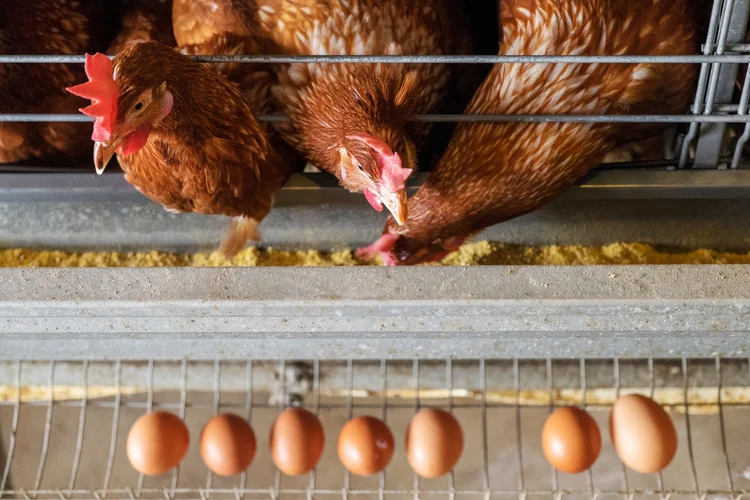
<point>414,59</point>
<point>454,118</point>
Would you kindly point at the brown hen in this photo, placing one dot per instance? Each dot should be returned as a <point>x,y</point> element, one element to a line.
<point>492,172</point>
<point>184,135</point>
<point>46,27</point>
<point>352,120</point>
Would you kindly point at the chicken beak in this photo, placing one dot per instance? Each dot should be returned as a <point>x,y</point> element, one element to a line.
<point>103,152</point>
<point>396,203</point>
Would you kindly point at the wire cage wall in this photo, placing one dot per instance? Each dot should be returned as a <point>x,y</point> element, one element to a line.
<point>500,349</point>
<point>704,145</point>
<point>505,400</point>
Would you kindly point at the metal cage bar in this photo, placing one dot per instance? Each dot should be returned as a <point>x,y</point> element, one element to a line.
<point>733,27</point>
<point>467,118</point>
<point>416,59</point>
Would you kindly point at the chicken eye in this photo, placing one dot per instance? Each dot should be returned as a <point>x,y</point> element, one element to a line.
<point>138,106</point>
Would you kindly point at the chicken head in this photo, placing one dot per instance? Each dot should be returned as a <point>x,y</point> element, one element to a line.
<point>368,165</point>
<point>398,247</point>
<point>123,118</point>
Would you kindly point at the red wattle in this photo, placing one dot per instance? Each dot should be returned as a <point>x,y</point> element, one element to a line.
<point>373,200</point>
<point>135,141</point>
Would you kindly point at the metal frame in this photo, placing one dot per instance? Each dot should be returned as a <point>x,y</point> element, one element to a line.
<point>452,118</point>
<point>726,31</point>
<point>610,183</point>
<point>734,19</point>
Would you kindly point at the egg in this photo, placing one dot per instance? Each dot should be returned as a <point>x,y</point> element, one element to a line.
<point>157,442</point>
<point>571,440</point>
<point>365,445</point>
<point>642,433</point>
<point>296,441</point>
<point>227,444</point>
<point>434,442</point>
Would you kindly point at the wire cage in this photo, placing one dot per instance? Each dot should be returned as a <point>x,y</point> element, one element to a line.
<point>67,422</point>
<point>500,348</point>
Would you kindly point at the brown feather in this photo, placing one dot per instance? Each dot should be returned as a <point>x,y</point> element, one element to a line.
<point>210,154</point>
<point>327,102</point>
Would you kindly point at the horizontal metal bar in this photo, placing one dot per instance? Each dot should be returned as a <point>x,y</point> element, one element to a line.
<point>586,118</point>
<point>44,117</point>
<point>400,377</point>
<point>630,183</point>
<point>453,118</point>
<point>46,168</point>
<point>734,47</point>
<point>202,493</point>
<point>304,189</point>
<point>328,406</point>
<point>417,59</point>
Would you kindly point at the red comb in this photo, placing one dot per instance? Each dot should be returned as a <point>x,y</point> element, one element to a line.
<point>393,174</point>
<point>103,92</point>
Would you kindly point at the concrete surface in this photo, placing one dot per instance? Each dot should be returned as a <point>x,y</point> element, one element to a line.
<point>374,313</point>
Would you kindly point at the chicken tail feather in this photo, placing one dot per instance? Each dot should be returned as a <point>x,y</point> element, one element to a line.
<point>240,230</point>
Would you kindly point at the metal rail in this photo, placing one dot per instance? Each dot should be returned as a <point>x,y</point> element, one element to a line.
<point>414,59</point>
<point>454,118</point>
<point>623,181</point>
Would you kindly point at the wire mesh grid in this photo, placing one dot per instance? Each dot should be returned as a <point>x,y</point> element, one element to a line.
<point>715,103</point>
<point>63,437</point>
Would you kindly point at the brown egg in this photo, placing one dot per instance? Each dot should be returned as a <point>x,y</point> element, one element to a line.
<point>571,440</point>
<point>227,444</point>
<point>157,442</point>
<point>296,441</point>
<point>365,445</point>
<point>434,442</point>
<point>642,433</point>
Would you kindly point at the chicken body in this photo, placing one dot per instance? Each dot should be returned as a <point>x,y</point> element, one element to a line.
<point>492,172</point>
<point>225,27</point>
<point>45,27</point>
<point>187,138</point>
<point>352,120</point>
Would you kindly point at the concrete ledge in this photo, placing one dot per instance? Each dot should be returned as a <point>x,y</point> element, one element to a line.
<point>336,313</point>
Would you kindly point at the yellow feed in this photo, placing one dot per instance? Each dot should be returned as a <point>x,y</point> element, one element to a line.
<point>479,253</point>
